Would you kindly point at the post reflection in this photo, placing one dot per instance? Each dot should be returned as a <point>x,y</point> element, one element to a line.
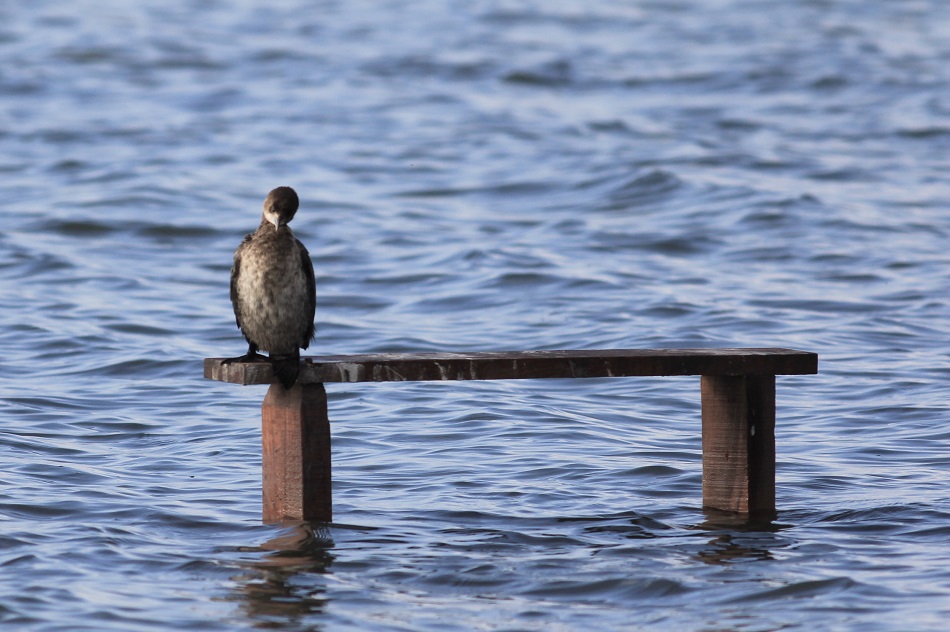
<point>718,519</point>
<point>726,548</point>
<point>282,589</point>
<point>738,537</point>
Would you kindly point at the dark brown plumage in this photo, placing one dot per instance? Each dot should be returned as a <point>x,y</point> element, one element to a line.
<point>272,289</point>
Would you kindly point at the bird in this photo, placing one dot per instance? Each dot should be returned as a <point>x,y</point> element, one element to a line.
<point>273,290</point>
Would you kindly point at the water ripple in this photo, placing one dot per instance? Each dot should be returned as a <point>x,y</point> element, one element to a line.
<point>499,177</point>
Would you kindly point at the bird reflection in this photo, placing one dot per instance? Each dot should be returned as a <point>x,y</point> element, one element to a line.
<point>283,590</point>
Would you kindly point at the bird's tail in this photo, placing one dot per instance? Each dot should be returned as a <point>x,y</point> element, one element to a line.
<point>286,368</point>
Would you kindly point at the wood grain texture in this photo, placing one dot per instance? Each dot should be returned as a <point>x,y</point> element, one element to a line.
<point>295,436</point>
<point>512,365</point>
<point>738,427</point>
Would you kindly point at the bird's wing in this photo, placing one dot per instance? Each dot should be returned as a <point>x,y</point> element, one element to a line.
<point>307,266</point>
<point>235,273</point>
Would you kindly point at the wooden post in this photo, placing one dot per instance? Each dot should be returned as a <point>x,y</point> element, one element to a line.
<point>296,454</point>
<point>739,444</point>
<point>738,395</point>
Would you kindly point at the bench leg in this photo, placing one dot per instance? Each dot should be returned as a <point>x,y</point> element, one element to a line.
<point>296,454</point>
<point>739,444</point>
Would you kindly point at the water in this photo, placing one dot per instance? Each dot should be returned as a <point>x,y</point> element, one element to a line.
<point>496,175</point>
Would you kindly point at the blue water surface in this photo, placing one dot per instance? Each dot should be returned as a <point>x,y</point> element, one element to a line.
<point>475,176</point>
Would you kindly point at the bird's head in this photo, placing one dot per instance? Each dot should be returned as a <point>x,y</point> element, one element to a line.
<point>280,206</point>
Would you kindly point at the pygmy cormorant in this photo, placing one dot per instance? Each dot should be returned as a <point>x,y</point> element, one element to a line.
<point>273,291</point>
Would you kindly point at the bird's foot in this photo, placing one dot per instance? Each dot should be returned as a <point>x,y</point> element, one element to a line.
<point>247,357</point>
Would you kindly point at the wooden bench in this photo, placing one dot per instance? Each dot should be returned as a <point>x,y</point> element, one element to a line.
<point>738,411</point>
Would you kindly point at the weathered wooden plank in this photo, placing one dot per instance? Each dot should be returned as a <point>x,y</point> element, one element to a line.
<point>295,437</point>
<point>510,365</point>
<point>738,427</point>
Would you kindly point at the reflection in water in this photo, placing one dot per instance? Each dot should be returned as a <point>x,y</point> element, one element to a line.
<point>718,519</point>
<point>725,548</point>
<point>738,537</point>
<point>278,590</point>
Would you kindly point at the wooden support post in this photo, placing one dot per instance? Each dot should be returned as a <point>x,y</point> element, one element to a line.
<point>296,454</point>
<point>739,444</point>
<point>738,394</point>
